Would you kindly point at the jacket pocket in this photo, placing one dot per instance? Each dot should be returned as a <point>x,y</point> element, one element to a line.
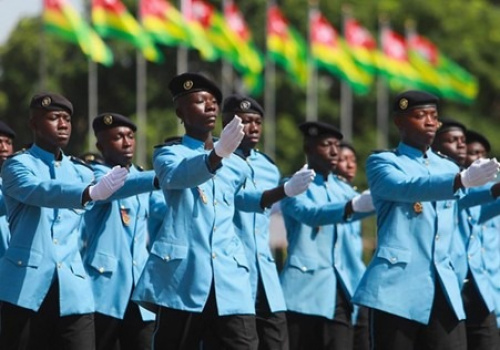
<point>394,255</point>
<point>104,263</point>
<point>24,257</point>
<point>302,263</point>
<point>169,251</point>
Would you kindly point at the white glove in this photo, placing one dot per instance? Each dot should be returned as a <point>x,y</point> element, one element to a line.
<point>480,172</point>
<point>363,203</point>
<point>230,138</point>
<point>299,182</point>
<point>108,184</point>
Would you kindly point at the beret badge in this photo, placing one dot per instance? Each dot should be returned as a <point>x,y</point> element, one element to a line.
<point>188,84</point>
<point>108,119</point>
<point>403,103</point>
<point>313,131</point>
<point>46,101</point>
<point>245,105</point>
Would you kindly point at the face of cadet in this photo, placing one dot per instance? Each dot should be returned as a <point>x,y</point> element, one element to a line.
<point>418,127</point>
<point>117,145</point>
<point>198,111</point>
<point>52,129</point>
<point>452,144</point>
<point>475,150</point>
<point>6,147</point>
<point>323,154</point>
<point>252,126</point>
<point>347,165</point>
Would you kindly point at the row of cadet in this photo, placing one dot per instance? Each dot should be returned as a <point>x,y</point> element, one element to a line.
<point>99,254</point>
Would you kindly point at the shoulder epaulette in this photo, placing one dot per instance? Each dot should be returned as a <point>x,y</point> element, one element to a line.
<point>174,140</point>
<point>80,161</point>
<point>21,151</point>
<point>343,179</point>
<point>392,150</point>
<point>444,156</point>
<point>139,167</point>
<point>266,156</point>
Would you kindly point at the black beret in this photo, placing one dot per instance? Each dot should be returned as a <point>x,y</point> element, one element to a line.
<point>241,104</point>
<point>111,120</point>
<point>473,136</point>
<point>408,100</point>
<point>50,101</point>
<point>313,129</point>
<point>7,130</point>
<point>187,83</point>
<point>447,124</point>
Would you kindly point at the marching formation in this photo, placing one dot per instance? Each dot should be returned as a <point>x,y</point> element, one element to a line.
<point>97,253</point>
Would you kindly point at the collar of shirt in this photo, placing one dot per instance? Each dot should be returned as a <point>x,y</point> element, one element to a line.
<point>46,157</point>
<point>412,152</point>
<point>193,143</point>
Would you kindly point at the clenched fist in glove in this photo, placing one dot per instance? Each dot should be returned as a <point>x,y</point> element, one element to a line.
<point>299,182</point>
<point>363,203</point>
<point>230,138</point>
<point>108,184</point>
<point>480,172</point>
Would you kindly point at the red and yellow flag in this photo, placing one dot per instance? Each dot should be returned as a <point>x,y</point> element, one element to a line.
<point>112,19</point>
<point>167,26</point>
<point>330,52</point>
<point>394,63</point>
<point>61,19</point>
<point>286,46</point>
<point>250,59</point>
<point>362,45</point>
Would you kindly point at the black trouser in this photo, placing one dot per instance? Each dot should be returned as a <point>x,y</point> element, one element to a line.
<point>362,330</point>
<point>309,332</point>
<point>183,330</point>
<point>46,329</point>
<point>271,326</point>
<point>131,333</point>
<point>444,331</point>
<point>480,324</point>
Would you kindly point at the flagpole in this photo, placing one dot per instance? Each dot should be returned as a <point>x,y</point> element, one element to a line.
<point>382,100</point>
<point>227,74</point>
<point>346,98</point>
<point>182,56</point>
<point>141,111</point>
<point>312,79</point>
<point>42,68</point>
<point>270,100</point>
<point>93,94</point>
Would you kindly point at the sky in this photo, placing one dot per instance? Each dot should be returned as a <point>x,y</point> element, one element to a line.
<point>11,11</point>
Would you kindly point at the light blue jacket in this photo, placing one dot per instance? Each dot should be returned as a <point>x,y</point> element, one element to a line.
<point>490,252</point>
<point>4,225</point>
<point>197,245</point>
<point>314,221</point>
<point>44,206</point>
<point>116,249</point>
<point>157,211</point>
<point>416,219</point>
<point>253,229</point>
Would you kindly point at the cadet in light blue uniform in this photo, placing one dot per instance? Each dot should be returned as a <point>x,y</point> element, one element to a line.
<point>7,136</point>
<point>410,284</point>
<point>467,253</point>
<point>352,240</point>
<point>315,278</point>
<point>253,228</point>
<point>197,276</point>
<point>48,302</point>
<point>479,147</point>
<point>117,238</point>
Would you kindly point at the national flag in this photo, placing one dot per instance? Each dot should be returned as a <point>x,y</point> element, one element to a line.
<point>286,46</point>
<point>393,62</point>
<point>61,19</point>
<point>112,19</point>
<point>251,58</point>
<point>330,52</point>
<point>455,82</point>
<point>167,26</point>
<point>362,45</point>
